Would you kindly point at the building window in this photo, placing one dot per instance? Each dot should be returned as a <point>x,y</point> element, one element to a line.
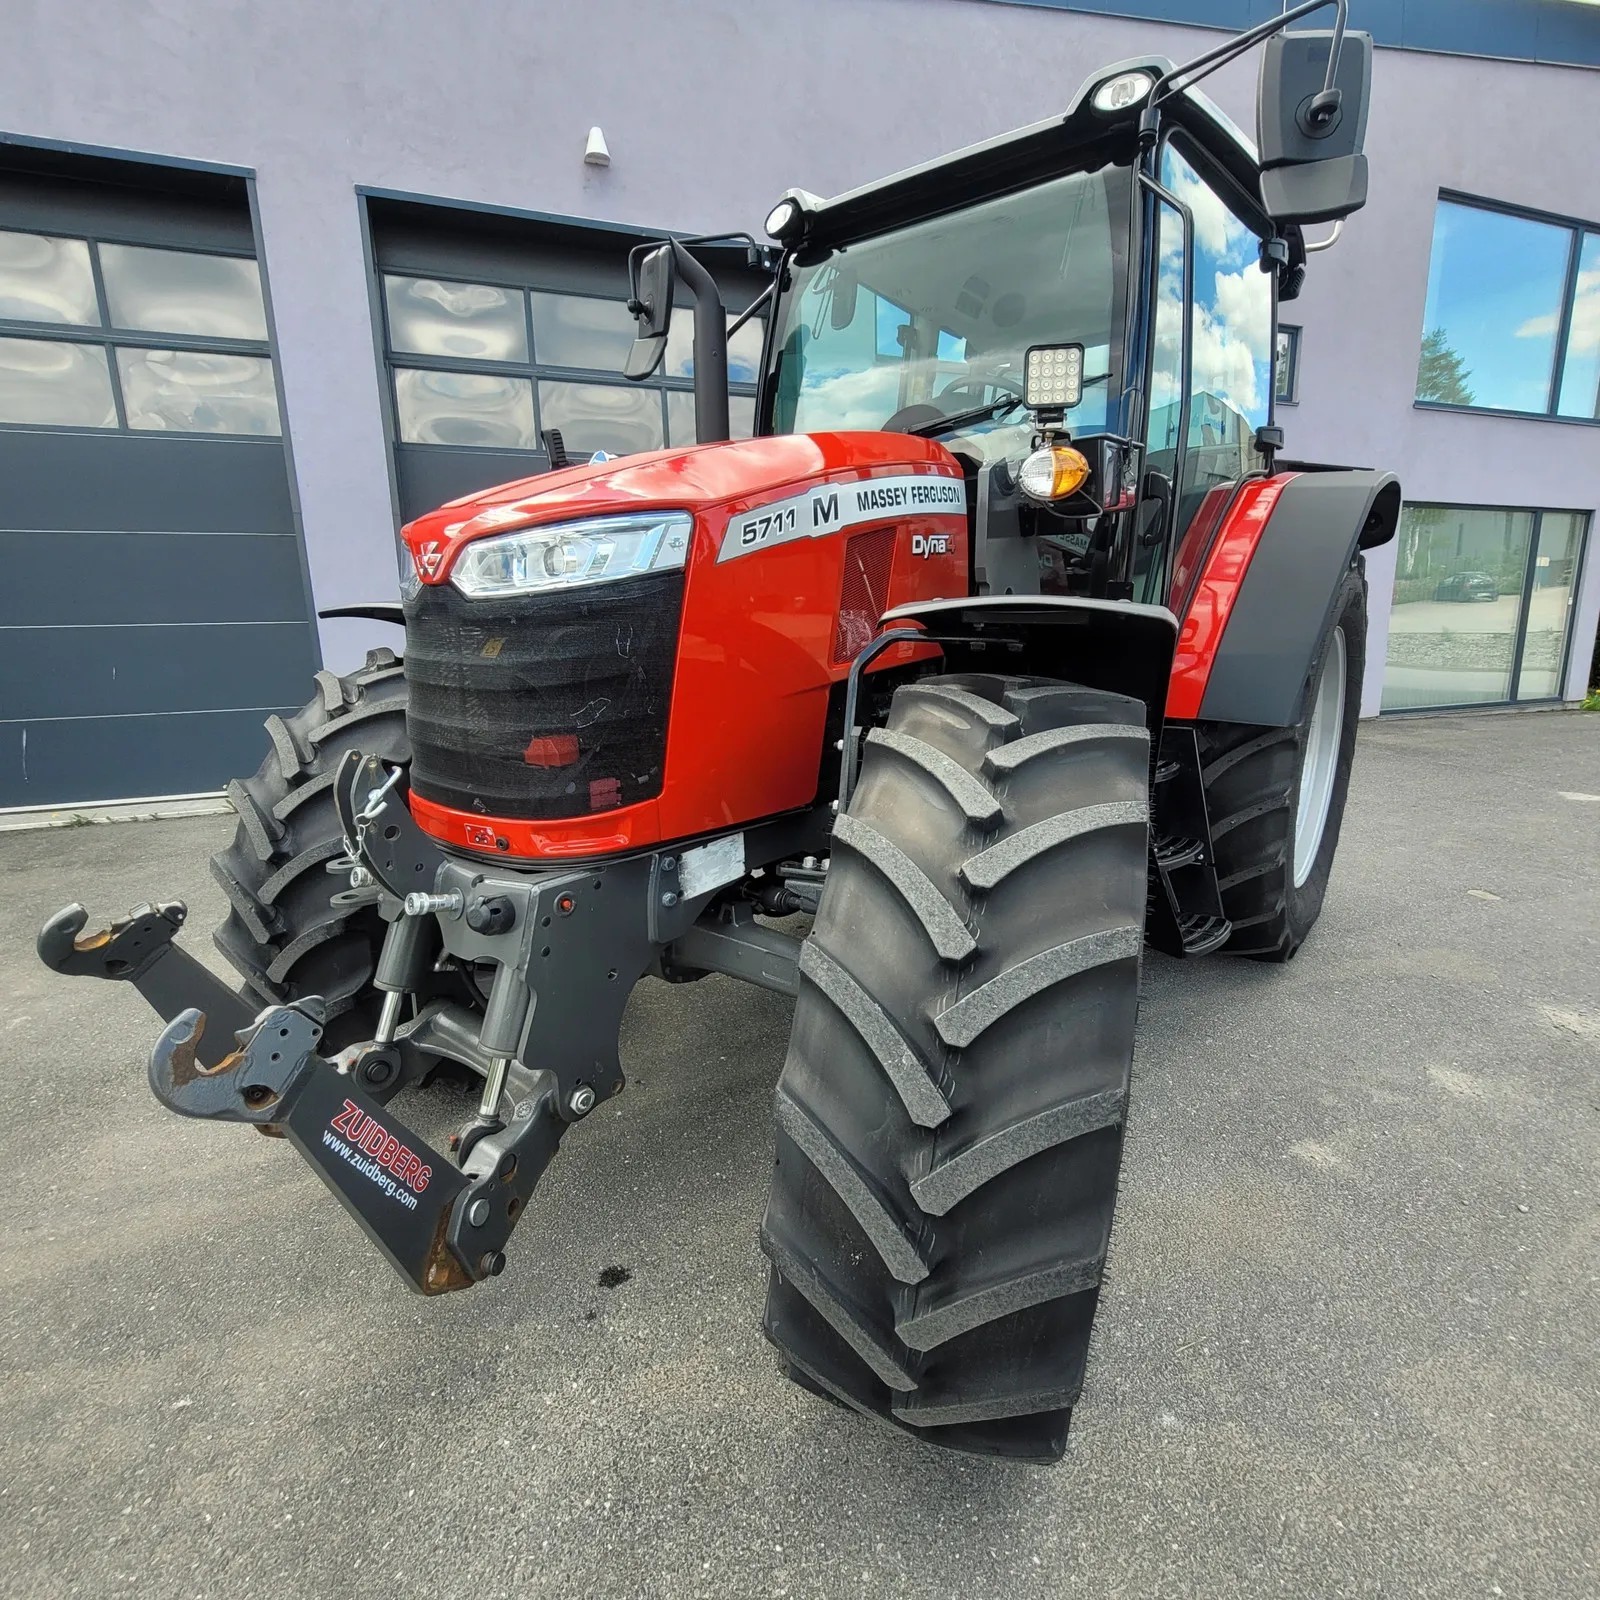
<point>491,366</point>
<point>1482,605</point>
<point>95,334</point>
<point>1513,314</point>
<point>1286,369</point>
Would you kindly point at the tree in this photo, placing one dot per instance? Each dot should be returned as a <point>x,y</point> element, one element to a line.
<point>1442,375</point>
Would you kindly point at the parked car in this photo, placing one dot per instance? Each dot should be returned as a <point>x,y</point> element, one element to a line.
<point>1467,586</point>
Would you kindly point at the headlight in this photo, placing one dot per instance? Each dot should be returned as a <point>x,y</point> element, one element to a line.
<point>567,555</point>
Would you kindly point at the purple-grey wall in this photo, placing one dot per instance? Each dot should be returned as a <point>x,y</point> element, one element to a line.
<point>711,108</point>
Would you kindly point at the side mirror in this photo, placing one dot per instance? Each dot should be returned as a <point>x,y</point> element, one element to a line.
<point>651,304</point>
<point>1310,135</point>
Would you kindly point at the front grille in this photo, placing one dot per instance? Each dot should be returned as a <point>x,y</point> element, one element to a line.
<point>549,705</point>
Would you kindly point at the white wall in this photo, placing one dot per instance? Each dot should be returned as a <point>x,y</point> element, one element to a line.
<point>711,108</point>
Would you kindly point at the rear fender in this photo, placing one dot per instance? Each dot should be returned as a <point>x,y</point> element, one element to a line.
<point>1250,630</point>
<point>1102,644</point>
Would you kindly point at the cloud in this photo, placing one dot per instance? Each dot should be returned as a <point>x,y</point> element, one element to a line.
<point>1243,300</point>
<point>1585,318</point>
<point>1228,334</point>
<point>840,398</point>
<point>1224,364</point>
<point>1217,232</point>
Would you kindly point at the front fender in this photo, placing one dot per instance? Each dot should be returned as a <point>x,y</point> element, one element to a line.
<point>1103,644</point>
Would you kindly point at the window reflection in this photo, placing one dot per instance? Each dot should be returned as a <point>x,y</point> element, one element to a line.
<point>1166,404</point>
<point>744,348</point>
<point>1555,565</point>
<point>1286,381</point>
<point>574,331</point>
<point>1580,379</point>
<point>46,280</point>
<point>580,333</point>
<point>934,317</point>
<point>602,416</point>
<point>464,408</point>
<point>198,391</point>
<point>1231,354</point>
<point>470,321</point>
<point>1459,574</point>
<point>180,291</point>
<point>1495,288</point>
<point>680,417</point>
<point>55,385</point>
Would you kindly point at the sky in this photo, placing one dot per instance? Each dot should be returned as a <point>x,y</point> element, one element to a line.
<point>1495,286</point>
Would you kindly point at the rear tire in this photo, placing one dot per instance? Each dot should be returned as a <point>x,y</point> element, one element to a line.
<point>282,932</point>
<point>950,1112</point>
<point>1255,779</point>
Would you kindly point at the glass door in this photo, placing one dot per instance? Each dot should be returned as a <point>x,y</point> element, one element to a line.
<point>1482,605</point>
<point>1548,616</point>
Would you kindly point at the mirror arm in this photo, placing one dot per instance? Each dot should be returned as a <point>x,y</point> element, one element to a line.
<point>710,349</point>
<point>1191,72</point>
<point>757,254</point>
<point>751,309</point>
<point>1329,242</point>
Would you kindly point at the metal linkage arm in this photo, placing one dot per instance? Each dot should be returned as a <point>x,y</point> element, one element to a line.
<point>138,949</point>
<point>1191,72</point>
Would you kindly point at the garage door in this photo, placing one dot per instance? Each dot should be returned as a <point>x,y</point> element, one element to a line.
<point>497,328</point>
<point>155,607</point>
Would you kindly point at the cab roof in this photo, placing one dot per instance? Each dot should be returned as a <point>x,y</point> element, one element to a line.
<point>1025,156</point>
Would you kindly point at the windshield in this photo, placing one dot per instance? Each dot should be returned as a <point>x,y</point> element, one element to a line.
<point>904,330</point>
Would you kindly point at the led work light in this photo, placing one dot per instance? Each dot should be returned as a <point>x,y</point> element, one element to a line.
<point>1052,377</point>
<point>781,218</point>
<point>1124,90</point>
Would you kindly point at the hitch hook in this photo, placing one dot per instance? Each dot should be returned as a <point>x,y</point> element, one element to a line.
<point>138,949</point>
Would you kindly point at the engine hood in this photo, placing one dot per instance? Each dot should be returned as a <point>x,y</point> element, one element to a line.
<point>695,479</point>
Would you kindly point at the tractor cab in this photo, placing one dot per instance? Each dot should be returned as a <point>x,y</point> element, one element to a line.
<point>1084,312</point>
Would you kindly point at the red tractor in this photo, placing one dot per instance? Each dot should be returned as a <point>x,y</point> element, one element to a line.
<point>1010,645</point>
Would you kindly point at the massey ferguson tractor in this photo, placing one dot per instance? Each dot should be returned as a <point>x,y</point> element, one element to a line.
<point>1011,645</point>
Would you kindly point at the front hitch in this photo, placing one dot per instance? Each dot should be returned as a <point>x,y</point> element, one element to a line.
<point>441,1227</point>
<point>138,949</point>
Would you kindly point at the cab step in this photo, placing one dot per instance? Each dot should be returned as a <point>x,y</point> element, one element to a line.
<point>1202,935</point>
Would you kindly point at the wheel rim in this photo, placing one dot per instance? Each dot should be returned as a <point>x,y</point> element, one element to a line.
<point>1320,764</point>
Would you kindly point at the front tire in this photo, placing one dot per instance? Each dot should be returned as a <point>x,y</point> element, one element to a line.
<point>282,932</point>
<point>1276,796</point>
<point>950,1112</point>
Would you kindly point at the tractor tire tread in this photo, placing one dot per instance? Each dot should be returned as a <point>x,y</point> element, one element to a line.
<point>282,933</point>
<point>941,1203</point>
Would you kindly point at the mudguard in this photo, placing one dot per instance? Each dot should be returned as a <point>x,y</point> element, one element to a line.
<point>1251,629</point>
<point>1103,644</point>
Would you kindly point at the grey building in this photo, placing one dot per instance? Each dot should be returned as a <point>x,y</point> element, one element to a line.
<point>275,277</point>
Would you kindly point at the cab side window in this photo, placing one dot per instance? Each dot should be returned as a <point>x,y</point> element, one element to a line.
<point>1230,361</point>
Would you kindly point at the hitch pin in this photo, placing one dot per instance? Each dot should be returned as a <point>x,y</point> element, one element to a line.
<point>371,811</point>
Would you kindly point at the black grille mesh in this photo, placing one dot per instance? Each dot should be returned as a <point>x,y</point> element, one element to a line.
<point>551,705</point>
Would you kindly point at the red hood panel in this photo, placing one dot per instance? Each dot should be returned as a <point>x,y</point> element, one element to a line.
<point>694,479</point>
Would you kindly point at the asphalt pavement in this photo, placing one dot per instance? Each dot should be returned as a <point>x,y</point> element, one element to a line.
<point>1350,1343</point>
